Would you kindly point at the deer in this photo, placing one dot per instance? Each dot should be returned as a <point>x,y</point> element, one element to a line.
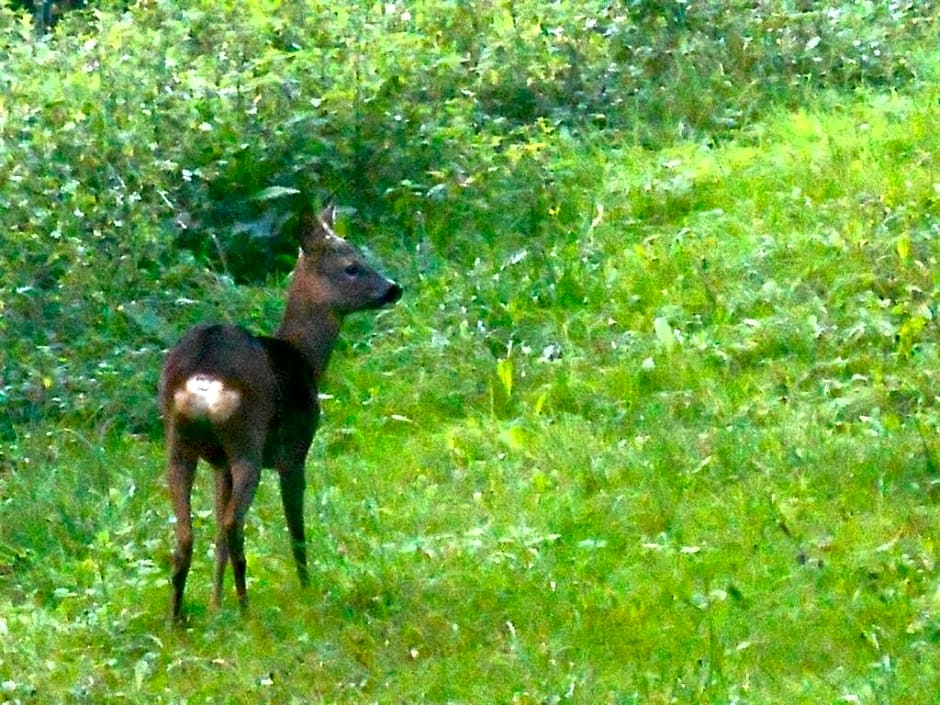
<point>243,402</point>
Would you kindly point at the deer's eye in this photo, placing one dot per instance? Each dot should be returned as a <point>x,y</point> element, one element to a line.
<point>353,270</point>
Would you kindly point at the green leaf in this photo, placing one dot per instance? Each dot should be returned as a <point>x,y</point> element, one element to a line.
<point>664,334</point>
<point>272,192</point>
<point>903,246</point>
<point>504,372</point>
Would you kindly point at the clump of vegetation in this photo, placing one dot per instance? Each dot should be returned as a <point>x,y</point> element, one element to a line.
<point>130,133</point>
<point>144,129</point>
<point>654,422</point>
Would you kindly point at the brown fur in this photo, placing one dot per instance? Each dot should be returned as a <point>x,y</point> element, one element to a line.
<point>242,402</point>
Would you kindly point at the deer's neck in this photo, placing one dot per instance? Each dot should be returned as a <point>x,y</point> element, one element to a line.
<point>313,330</point>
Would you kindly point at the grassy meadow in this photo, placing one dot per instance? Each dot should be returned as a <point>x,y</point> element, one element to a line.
<point>656,421</point>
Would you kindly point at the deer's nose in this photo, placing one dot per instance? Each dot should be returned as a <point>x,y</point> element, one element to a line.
<point>392,294</point>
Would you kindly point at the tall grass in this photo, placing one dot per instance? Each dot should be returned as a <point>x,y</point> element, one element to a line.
<point>678,445</point>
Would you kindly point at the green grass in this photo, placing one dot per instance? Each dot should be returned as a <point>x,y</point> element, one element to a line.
<point>679,448</point>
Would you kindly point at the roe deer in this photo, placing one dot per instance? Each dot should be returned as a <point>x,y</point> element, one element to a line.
<point>242,402</point>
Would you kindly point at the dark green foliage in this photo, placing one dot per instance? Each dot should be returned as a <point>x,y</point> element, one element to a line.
<point>46,12</point>
<point>132,135</point>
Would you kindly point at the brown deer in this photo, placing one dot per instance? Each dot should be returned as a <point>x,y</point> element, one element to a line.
<point>242,402</point>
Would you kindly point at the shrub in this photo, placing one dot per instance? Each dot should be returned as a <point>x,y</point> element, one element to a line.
<point>130,138</point>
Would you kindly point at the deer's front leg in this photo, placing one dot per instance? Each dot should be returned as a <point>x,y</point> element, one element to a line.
<point>293,484</point>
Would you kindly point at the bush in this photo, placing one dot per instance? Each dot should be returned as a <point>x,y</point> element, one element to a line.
<point>143,149</point>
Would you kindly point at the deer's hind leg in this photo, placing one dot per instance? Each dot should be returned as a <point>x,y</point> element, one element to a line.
<point>223,497</point>
<point>180,473</point>
<point>240,485</point>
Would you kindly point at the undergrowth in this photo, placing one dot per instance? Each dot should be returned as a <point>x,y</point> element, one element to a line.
<point>653,423</point>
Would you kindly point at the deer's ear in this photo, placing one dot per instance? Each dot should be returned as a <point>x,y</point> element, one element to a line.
<point>328,214</point>
<point>316,228</point>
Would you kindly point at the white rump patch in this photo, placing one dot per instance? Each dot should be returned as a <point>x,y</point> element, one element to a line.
<point>206,397</point>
